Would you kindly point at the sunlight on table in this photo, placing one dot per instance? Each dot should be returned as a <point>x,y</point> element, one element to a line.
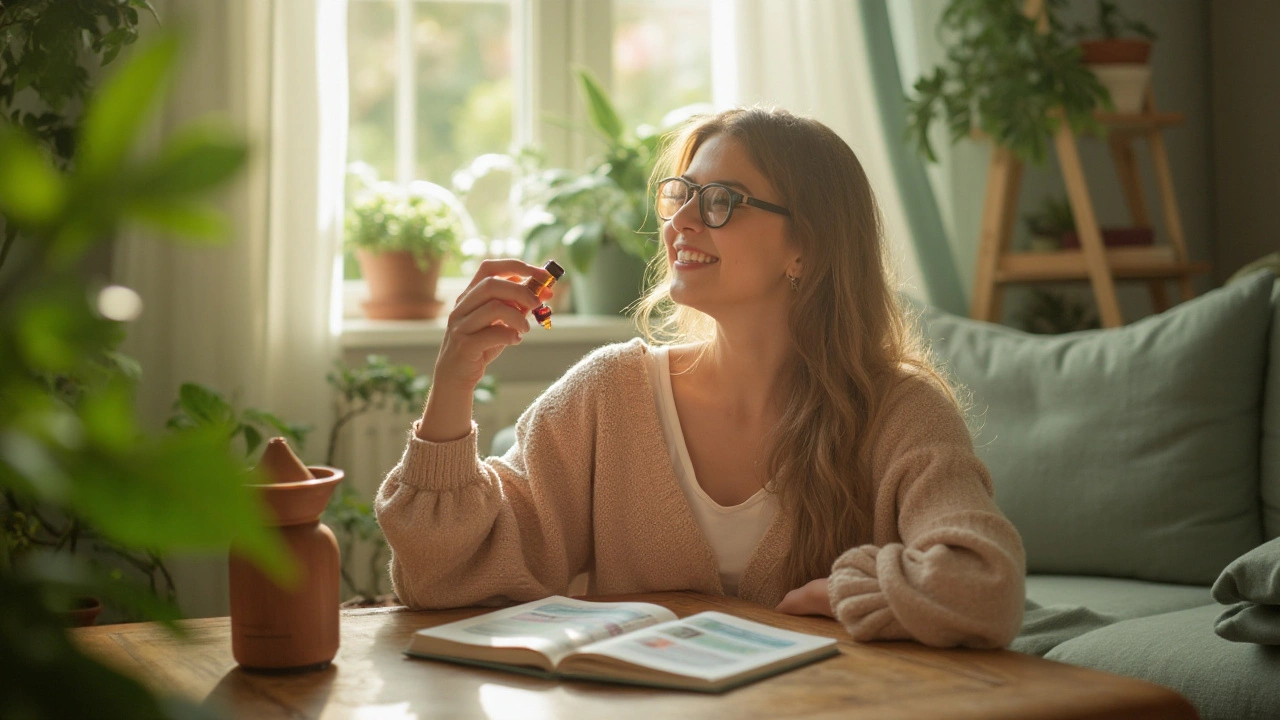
<point>392,711</point>
<point>504,703</point>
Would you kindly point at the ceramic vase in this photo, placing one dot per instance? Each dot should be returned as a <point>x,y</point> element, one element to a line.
<point>290,629</point>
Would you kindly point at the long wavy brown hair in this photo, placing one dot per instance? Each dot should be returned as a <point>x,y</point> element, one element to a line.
<point>852,339</point>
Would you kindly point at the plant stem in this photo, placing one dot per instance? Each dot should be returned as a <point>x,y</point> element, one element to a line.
<point>10,234</point>
<point>332,451</point>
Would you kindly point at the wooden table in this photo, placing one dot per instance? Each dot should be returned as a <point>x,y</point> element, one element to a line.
<point>371,678</point>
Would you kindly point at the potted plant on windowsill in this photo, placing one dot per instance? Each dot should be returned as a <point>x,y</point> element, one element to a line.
<point>1008,75</point>
<point>602,220</point>
<point>400,239</point>
<point>1118,53</point>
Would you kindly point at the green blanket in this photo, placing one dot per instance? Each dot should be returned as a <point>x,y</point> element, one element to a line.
<point>1251,587</point>
<point>1044,628</point>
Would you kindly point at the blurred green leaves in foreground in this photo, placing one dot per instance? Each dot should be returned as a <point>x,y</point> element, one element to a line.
<point>89,459</point>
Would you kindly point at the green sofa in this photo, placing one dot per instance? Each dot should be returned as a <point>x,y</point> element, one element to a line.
<point>1142,467</point>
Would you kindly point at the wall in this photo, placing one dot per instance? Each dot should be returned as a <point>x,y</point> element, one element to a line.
<point>1244,61</point>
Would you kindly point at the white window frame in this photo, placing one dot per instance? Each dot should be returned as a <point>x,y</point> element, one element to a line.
<point>548,36</point>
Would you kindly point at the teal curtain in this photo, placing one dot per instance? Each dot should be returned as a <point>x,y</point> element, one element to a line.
<point>924,220</point>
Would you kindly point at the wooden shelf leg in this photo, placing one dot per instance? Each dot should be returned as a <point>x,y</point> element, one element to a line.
<point>1159,298</point>
<point>1004,174</point>
<point>1095,256</point>
<point>1131,183</point>
<point>1169,203</point>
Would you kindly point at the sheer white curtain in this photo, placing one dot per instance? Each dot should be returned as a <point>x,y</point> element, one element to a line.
<point>810,57</point>
<point>257,319</point>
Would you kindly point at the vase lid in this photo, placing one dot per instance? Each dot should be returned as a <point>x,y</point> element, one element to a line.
<point>280,465</point>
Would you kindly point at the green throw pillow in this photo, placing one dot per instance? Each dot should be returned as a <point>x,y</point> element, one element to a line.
<point>1130,452</point>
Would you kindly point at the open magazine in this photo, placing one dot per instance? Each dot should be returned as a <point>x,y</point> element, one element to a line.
<point>626,642</point>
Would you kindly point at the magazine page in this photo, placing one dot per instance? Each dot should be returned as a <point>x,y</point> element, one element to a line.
<point>554,626</point>
<point>709,645</point>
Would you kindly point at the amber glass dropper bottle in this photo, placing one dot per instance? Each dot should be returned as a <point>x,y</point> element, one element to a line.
<point>542,313</point>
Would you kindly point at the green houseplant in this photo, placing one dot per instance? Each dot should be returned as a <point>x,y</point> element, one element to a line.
<point>48,49</point>
<point>1006,78</point>
<point>601,220</point>
<point>1049,223</point>
<point>400,239</point>
<point>180,491</point>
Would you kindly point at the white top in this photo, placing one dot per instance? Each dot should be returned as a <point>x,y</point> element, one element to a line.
<point>733,532</point>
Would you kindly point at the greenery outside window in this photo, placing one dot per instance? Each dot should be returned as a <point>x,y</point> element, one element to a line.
<point>436,84</point>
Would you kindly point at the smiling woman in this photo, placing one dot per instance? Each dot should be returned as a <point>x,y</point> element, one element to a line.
<point>786,442</point>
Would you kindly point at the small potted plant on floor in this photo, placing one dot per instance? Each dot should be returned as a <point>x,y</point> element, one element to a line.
<point>1117,49</point>
<point>400,239</point>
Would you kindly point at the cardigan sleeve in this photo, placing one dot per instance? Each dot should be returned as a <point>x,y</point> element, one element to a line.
<point>946,567</point>
<point>470,531</point>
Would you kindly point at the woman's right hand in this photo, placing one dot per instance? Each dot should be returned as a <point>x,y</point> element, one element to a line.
<point>490,315</point>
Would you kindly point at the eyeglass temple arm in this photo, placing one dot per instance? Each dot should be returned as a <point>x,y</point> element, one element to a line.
<point>765,205</point>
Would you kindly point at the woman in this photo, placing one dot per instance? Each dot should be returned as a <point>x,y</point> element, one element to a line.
<point>791,446</point>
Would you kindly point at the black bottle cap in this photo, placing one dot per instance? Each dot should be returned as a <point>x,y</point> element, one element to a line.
<point>553,268</point>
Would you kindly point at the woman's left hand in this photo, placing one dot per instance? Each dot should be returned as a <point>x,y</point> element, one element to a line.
<point>810,599</point>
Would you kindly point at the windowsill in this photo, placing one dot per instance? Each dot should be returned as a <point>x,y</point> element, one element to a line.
<point>566,329</point>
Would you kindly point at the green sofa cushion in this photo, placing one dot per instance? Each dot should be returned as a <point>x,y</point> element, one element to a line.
<point>1271,428</point>
<point>1120,598</point>
<point>1251,586</point>
<point>1224,680</point>
<point>1129,452</point>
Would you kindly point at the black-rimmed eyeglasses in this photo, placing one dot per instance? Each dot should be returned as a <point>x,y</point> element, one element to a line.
<point>715,201</point>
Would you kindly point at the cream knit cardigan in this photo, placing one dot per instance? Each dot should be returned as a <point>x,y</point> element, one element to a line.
<point>589,487</point>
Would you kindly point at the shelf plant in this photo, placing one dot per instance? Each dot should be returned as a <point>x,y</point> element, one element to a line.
<point>1005,76</point>
<point>1049,223</point>
<point>1117,48</point>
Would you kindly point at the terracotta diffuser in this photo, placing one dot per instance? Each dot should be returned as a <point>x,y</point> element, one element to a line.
<point>293,629</point>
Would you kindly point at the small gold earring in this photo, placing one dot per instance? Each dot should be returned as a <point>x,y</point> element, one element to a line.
<point>795,283</point>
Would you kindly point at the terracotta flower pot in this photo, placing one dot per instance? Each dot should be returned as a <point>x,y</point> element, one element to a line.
<point>85,613</point>
<point>1115,50</point>
<point>398,288</point>
<point>1122,68</point>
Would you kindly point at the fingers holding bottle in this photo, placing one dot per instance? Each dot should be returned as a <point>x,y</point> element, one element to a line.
<point>491,314</point>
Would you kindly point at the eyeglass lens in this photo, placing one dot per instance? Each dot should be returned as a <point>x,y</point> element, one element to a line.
<point>715,203</point>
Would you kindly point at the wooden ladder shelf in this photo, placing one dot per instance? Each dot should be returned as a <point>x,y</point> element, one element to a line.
<point>1101,266</point>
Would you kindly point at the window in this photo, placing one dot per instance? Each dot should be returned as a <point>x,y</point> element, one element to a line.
<point>437,83</point>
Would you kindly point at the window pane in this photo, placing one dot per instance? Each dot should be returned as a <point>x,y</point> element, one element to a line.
<point>371,58</point>
<point>661,57</point>
<point>464,84</point>
<point>460,70</point>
